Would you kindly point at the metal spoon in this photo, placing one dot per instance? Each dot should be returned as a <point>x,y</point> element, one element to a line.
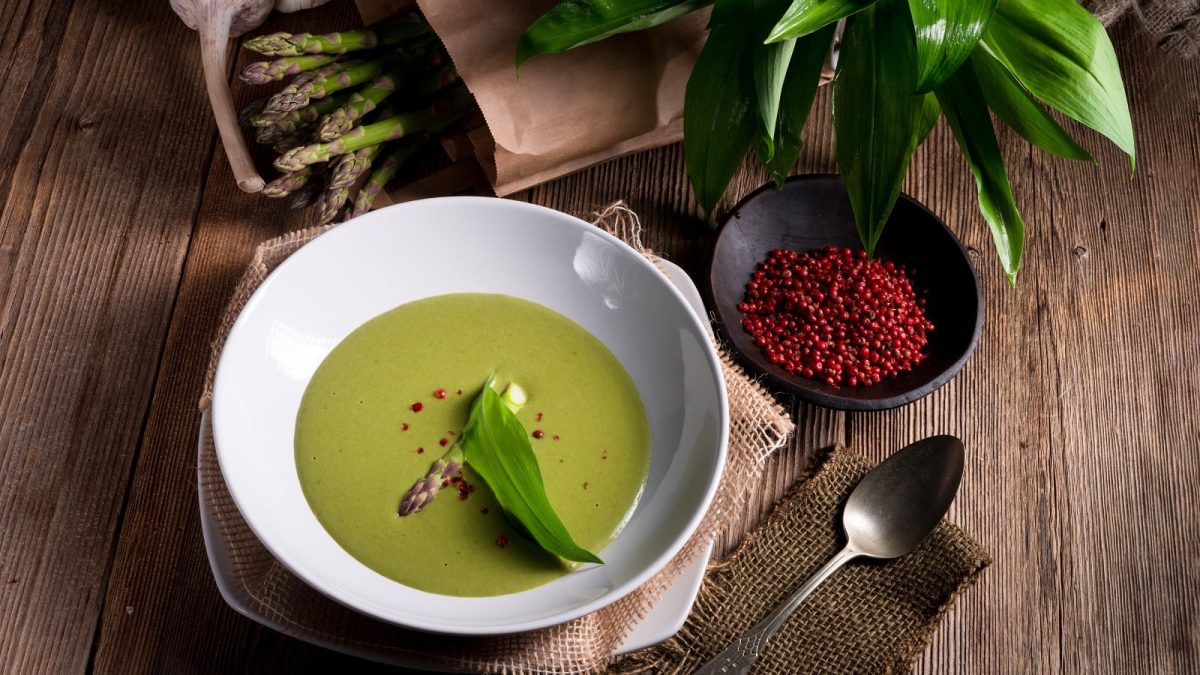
<point>891,510</point>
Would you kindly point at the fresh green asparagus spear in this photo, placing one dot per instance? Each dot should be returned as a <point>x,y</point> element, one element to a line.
<point>324,71</point>
<point>382,175</point>
<point>445,111</point>
<point>288,183</point>
<point>309,114</point>
<point>367,99</point>
<point>346,171</point>
<point>351,165</point>
<point>283,101</point>
<point>321,88</point>
<point>331,204</point>
<point>424,490</point>
<point>286,44</point>
<point>361,102</point>
<point>301,121</point>
<point>262,72</point>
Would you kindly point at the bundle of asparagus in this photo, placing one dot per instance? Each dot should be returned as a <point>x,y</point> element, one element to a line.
<point>359,105</point>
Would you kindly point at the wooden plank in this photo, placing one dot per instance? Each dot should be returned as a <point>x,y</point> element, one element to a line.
<point>1122,308</point>
<point>1078,407</point>
<point>1003,500</point>
<point>99,187</point>
<point>162,612</point>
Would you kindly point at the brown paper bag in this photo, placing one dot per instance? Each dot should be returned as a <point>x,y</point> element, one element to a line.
<point>565,112</point>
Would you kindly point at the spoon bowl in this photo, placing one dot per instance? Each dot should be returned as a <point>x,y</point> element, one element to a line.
<point>895,506</point>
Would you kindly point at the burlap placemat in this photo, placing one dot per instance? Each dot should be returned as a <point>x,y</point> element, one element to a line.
<point>869,617</point>
<point>758,426</point>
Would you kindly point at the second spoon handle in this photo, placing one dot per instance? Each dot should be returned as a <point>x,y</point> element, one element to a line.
<point>739,656</point>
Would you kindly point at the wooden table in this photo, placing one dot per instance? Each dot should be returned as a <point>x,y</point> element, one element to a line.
<point>122,234</point>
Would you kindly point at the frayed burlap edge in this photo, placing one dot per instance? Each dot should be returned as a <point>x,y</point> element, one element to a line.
<point>758,427</point>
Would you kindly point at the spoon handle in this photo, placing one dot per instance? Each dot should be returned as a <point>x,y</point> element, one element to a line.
<point>739,656</point>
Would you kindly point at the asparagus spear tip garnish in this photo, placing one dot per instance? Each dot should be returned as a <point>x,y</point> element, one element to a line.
<point>424,490</point>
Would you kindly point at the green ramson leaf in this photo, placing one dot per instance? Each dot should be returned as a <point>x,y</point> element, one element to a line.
<point>771,62</point>
<point>808,16</point>
<point>719,113</point>
<point>1059,52</point>
<point>652,20</point>
<point>930,112</point>
<point>496,446</point>
<point>730,11</point>
<point>1011,103</point>
<point>947,32</point>
<point>875,112</point>
<point>799,88</point>
<point>737,66</point>
<point>966,111</point>
<point>572,23</point>
<point>770,70</point>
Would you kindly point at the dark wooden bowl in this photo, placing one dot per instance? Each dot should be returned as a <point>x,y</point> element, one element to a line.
<point>813,211</point>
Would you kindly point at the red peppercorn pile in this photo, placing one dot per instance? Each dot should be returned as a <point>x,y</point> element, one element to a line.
<point>833,315</point>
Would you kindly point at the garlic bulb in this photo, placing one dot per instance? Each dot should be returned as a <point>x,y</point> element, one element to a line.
<point>217,21</point>
<point>297,5</point>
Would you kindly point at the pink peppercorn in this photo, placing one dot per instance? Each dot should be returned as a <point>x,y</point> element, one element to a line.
<point>834,316</point>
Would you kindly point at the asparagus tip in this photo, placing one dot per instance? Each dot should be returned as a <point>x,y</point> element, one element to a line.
<point>514,396</point>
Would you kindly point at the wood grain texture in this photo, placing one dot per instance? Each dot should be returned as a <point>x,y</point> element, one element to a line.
<point>94,228</point>
<point>1078,410</point>
<point>163,613</point>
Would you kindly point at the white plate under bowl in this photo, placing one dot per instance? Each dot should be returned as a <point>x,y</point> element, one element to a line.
<point>466,244</point>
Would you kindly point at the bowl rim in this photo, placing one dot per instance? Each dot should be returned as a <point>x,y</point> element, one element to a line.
<point>712,360</point>
<point>796,386</point>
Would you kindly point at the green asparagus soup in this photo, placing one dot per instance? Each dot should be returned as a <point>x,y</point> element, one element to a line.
<point>393,396</point>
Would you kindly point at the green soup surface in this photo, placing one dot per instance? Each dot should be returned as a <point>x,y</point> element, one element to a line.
<point>360,445</point>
